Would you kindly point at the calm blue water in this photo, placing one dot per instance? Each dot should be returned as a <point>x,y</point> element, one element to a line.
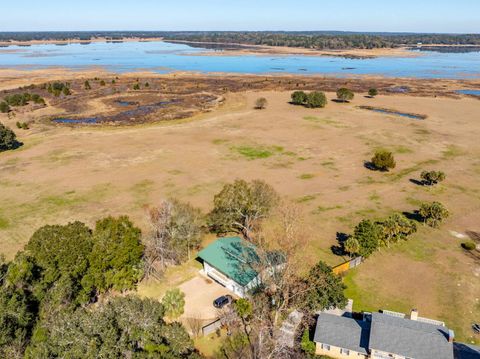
<point>164,57</point>
<point>396,113</point>
<point>469,92</point>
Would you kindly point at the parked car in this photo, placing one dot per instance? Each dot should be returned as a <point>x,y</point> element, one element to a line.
<point>222,301</point>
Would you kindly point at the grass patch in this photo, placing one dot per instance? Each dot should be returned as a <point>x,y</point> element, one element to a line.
<point>321,209</point>
<point>329,164</point>
<point>325,121</point>
<point>422,131</point>
<point>173,277</point>
<point>413,201</point>
<point>344,188</point>
<point>368,212</point>
<point>141,191</point>
<point>4,223</point>
<point>306,176</point>
<point>374,197</point>
<point>363,300</point>
<point>452,151</point>
<point>368,180</point>
<point>307,198</point>
<point>396,176</point>
<point>402,150</point>
<point>52,204</point>
<point>257,152</point>
<point>208,345</point>
<point>219,141</point>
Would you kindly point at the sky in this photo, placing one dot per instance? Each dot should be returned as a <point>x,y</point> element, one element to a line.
<point>447,16</point>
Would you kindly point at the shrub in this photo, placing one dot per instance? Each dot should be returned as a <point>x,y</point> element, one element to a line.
<point>136,87</point>
<point>299,98</point>
<point>8,138</point>
<point>372,92</point>
<point>87,85</point>
<point>37,99</point>
<point>174,303</point>
<point>261,103</point>
<point>22,125</point>
<point>17,99</point>
<point>383,160</point>
<point>344,94</point>
<point>307,345</point>
<point>316,99</point>
<point>147,84</point>
<point>433,213</point>
<point>4,107</point>
<point>431,178</point>
<point>102,83</point>
<point>469,246</point>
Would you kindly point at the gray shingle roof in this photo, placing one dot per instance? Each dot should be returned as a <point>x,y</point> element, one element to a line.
<point>342,332</point>
<point>409,338</point>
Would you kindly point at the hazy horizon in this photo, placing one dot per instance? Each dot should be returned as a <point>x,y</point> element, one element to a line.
<point>409,16</point>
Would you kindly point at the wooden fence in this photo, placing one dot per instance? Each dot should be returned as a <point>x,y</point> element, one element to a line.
<point>342,268</point>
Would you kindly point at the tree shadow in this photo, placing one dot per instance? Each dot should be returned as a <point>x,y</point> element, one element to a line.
<point>339,249</point>
<point>417,182</point>
<point>340,101</point>
<point>414,216</point>
<point>369,166</point>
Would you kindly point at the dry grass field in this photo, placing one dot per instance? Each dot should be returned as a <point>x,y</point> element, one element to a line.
<point>313,157</point>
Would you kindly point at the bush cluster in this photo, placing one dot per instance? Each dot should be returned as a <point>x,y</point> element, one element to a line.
<point>21,100</point>
<point>315,99</point>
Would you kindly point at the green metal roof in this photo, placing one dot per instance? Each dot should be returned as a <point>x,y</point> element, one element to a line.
<point>232,256</point>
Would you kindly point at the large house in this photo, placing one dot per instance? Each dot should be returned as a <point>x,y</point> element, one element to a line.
<point>234,263</point>
<point>386,335</point>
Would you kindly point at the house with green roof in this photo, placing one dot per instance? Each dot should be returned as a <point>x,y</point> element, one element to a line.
<point>232,262</point>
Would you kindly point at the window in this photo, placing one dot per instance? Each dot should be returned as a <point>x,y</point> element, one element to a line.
<point>326,346</point>
<point>344,351</point>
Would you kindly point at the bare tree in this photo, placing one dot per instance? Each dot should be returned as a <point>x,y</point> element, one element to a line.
<point>176,229</point>
<point>280,246</point>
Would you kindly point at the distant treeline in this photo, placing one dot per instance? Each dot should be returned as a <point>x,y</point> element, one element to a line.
<point>309,39</point>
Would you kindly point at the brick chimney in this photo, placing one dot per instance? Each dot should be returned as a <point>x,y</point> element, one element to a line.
<point>451,336</point>
<point>414,314</point>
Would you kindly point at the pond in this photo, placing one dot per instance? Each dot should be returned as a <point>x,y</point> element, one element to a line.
<point>387,111</point>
